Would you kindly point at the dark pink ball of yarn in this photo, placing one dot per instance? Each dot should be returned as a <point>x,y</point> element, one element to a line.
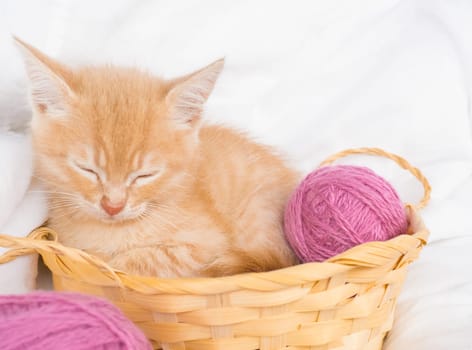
<point>65,321</point>
<point>338,207</point>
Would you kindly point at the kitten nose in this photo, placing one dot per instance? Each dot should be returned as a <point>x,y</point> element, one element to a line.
<point>110,207</point>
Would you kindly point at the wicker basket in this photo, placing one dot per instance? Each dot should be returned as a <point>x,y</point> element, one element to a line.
<point>346,303</point>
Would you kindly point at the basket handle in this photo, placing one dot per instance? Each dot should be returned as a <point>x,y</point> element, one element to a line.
<point>40,236</point>
<point>44,239</point>
<point>396,158</point>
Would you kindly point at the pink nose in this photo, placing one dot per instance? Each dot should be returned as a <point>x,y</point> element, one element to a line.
<point>110,207</point>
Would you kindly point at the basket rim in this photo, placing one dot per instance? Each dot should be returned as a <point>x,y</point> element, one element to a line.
<point>367,255</point>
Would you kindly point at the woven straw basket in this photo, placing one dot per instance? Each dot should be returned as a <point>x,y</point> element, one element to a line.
<point>345,303</point>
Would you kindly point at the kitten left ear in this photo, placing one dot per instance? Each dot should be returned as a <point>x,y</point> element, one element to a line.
<point>188,95</point>
<point>49,91</point>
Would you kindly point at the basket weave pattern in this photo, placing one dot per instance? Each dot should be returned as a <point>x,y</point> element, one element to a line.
<point>346,303</point>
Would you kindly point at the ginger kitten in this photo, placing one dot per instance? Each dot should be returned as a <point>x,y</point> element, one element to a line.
<point>134,176</point>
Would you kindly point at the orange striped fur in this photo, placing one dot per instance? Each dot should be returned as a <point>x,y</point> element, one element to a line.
<point>198,200</point>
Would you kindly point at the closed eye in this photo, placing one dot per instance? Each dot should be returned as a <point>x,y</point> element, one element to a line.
<point>86,171</point>
<point>143,178</point>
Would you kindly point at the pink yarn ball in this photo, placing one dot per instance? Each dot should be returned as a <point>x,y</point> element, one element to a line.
<point>338,207</point>
<point>58,321</point>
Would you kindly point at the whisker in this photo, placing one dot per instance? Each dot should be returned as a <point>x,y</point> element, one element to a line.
<point>53,192</point>
<point>155,217</point>
<point>63,206</point>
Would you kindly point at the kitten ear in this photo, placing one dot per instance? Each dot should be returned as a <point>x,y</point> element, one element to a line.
<point>49,92</point>
<point>188,94</point>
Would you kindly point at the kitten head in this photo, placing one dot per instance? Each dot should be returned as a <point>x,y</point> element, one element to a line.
<point>112,143</point>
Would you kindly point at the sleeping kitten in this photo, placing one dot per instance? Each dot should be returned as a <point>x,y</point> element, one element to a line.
<point>134,177</point>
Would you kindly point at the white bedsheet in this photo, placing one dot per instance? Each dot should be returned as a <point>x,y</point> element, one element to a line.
<point>311,78</point>
<point>20,210</point>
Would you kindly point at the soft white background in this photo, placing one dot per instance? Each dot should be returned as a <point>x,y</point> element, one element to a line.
<point>311,78</point>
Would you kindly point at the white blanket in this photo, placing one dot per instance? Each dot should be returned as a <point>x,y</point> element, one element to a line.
<point>312,78</point>
<point>20,211</point>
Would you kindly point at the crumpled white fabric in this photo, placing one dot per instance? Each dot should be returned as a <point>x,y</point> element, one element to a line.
<point>311,78</point>
<point>21,209</point>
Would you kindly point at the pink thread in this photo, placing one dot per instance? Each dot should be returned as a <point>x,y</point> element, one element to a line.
<point>338,207</point>
<point>58,321</point>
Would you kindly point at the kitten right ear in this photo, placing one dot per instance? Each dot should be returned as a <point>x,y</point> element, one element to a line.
<point>49,92</point>
<point>190,92</point>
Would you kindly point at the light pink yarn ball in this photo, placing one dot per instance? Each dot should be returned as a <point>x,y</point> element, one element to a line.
<point>65,321</point>
<point>338,207</point>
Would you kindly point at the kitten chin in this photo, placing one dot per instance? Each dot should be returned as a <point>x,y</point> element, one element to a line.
<point>107,139</point>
